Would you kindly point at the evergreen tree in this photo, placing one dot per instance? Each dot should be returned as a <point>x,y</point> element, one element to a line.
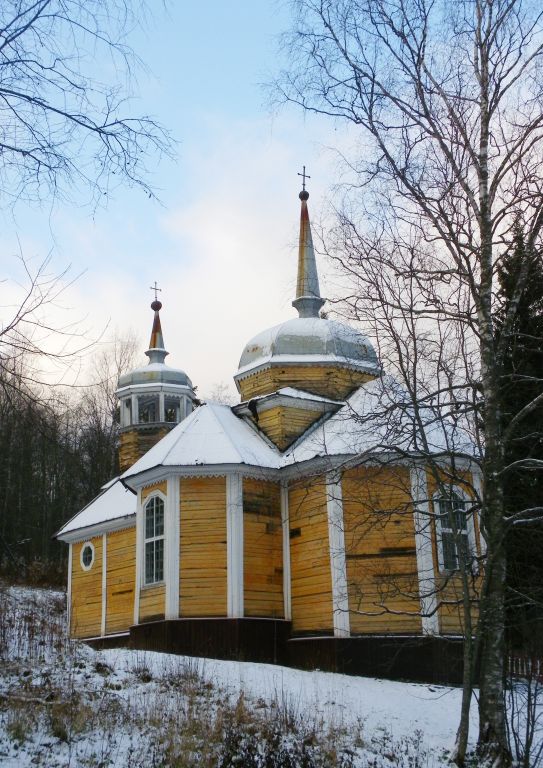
<point>522,382</point>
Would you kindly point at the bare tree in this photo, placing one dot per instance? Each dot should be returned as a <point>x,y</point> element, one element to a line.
<point>65,71</point>
<point>449,101</point>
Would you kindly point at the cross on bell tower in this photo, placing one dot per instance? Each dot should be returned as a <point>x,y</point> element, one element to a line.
<point>304,176</point>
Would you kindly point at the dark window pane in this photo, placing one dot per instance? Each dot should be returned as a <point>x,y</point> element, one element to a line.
<point>159,560</point>
<point>149,522</point>
<point>450,562</point>
<point>149,563</point>
<point>159,518</point>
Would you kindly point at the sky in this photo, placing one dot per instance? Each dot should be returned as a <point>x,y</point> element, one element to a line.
<point>222,241</point>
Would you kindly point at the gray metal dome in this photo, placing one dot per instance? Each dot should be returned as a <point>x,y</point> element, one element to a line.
<point>309,340</point>
<point>155,373</point>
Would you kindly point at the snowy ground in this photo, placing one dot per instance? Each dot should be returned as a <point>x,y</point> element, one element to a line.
<point>63,704</point>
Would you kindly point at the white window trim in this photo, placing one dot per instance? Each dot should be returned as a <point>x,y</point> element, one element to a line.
<point>154,494</point>
<point>470,529</point>
<point>85,545</point>
<point>424,550</point>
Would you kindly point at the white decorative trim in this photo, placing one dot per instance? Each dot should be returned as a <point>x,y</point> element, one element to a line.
<point>139,558</point>
<point>287,600</point>
<point>83,548</point>
<point>90,531</point>
<point>69,590</point>
<point>155,493</point>
<point>171,549</point>
<point>425,556</point>
<point>104,584</point>
<point>234,542</point>
<point>338,565</point>
<point>477,477</point>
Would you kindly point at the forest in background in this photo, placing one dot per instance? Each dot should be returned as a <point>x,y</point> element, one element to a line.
<point>58,446</point>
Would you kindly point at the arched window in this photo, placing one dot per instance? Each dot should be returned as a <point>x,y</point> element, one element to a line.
<point>455,539</point>
<point>154,540</point>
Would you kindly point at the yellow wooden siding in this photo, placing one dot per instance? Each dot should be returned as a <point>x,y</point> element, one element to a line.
<point>449,586</point>
<point>311,580</point>
<point>152,603</point>
<point>134,443</point>
<point>328,381</point>
<point>202,556</point>
<point>121,579</point>
<point>86,609</point>
<point>380,551</point>
<point>150,489</point>
<point>263,549</point>
<point>283,425</point>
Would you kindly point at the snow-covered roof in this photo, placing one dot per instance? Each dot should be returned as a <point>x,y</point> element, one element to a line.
<point>112,503</point>
<point>298,394</point>
<point>308,340</point>
<point>379,417</point>
<point>211,435</point>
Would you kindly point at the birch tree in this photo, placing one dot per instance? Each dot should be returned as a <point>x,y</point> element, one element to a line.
<point>448,103</point>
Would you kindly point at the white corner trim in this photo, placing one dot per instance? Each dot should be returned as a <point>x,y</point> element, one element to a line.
<point>234,543</point>
<point>139,557</point>
<point>287,600</point>
<point>338,564</point>
<point>425,557</point>
<point>69,591</point>
<point>104,584</point>
<point>171,552</point>
<point>477,478</point>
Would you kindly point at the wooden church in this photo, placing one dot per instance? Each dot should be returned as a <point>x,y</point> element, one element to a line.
<point>300,526</point>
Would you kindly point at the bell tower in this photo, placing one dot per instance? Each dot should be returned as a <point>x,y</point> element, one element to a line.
<point>153,398</point>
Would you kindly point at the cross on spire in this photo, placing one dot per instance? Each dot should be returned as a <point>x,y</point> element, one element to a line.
<point>304,177</point>
<point>156,289</point>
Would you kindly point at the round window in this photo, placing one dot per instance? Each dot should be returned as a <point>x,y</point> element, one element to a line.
<point>87,556</point>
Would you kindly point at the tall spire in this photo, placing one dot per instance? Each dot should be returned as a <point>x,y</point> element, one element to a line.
<point>156,352</point>
<point>308,299</point>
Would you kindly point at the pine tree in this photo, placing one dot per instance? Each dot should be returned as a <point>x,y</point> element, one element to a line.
<point>523,488</point>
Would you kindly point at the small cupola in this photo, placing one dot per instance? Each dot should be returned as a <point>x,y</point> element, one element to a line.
<point>153,398</point>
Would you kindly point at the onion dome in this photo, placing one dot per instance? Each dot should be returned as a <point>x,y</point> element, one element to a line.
<point>308,340</point>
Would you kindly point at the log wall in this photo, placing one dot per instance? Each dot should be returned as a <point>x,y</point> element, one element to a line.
<point>86,608</point>
<point>202,556</point>
<point>328,381</point>
<point>121,579</point>
<point>311,580</point>
<point>284,425</point>
<point>380,549</point>
<point>263,549</point>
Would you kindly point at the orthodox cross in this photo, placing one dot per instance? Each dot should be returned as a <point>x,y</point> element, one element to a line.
<point>156,289</point>
<point>304,177</point>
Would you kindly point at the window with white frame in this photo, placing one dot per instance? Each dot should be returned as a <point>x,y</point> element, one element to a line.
<point>154,540</point>
<point>454,530</point>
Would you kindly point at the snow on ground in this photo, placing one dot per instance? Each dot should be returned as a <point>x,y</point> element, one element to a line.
<point>63,704</point>
<point>380,706</point>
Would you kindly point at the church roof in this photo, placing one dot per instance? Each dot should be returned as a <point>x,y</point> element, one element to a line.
<point>211,435</point>
<point>113,502</point>
<point>308,340</point>
<point>378,418</point>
